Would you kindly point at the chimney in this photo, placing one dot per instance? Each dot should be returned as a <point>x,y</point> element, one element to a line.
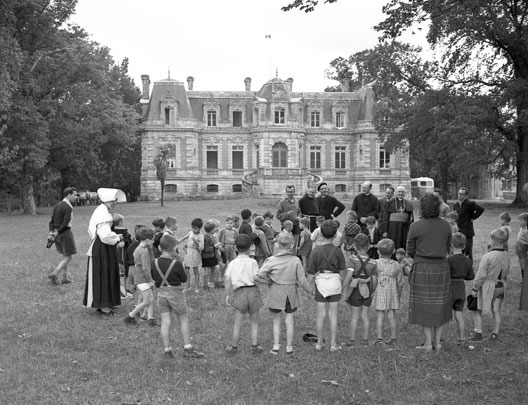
<point>289,82</point>
<point>190,82</point>
<point>146,87</point>
<point>247,82</point>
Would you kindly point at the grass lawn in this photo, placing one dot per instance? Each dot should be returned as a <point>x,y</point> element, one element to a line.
<point>54,351</point>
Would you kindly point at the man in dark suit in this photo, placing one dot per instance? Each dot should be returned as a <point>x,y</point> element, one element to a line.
<point>467,211</point>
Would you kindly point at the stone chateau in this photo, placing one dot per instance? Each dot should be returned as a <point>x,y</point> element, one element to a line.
<point>224,143</point>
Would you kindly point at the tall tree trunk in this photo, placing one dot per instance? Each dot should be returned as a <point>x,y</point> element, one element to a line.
<point>521,198</point>
<point>28,197</point>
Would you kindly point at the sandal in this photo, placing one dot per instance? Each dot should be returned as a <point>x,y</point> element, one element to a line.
<point>335,348</point>
<point>379,341</point>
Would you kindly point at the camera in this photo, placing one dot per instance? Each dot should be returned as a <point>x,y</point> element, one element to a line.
<point>51,239</point>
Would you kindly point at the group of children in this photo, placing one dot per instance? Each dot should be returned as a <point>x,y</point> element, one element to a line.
<point>330,266</point>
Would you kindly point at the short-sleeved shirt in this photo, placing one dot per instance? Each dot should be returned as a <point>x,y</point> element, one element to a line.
<point>370,268</point>
<point>241,271</point>
<point>327,257</point>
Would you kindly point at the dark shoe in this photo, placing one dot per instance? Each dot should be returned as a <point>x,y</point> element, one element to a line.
<point>66,280</point>
<point>168,354</point>
<point>392,342</point>
<point>152,323</point>
<point>107,313</point>
<point>477,337</point>
<point>191,353</point>
<point>130,320</point>
<point>350,343</point>
<point>53,278</point>
<point>379,341</point>
<point>231,349</point>
<point>290,352</point>
<point>257,349</point>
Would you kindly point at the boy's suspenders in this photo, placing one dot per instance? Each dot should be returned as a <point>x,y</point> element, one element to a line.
<point>363,266</point>
<point>164,281</point>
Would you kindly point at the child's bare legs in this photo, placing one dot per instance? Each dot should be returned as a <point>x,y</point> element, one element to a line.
<point>254,320</point>
<point>276,330</point>
<point>196,272</point>
<point>165,329</point>
<point>146,300</point>
<point>353,322</point>
<point>496,306</point>
<point>477,321</point>
<point>461,324</point>
<point>379,323</point>
<point>332,315</point>
<point>187,272</point>
<point>319,322</point>
<point>428,333</point>
<point>366,322</point>
<point>185,329</point>
<point>392,322</point>
<point>288,320</point>
<point>239,317</point>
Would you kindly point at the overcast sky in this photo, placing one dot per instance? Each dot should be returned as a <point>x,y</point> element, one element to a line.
<point>221,42</point>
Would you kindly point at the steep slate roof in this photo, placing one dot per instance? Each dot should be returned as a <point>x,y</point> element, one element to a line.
<point>173,89</point>
<point>360,103</point>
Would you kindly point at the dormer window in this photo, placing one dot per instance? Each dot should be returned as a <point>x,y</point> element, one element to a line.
<point>211,118</point>
<point>237,118</point>
<point>315,119</point>
<point>280,114</point>
<point>340,119</point>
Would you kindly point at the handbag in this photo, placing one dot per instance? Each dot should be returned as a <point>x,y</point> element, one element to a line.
<point>472,302</point>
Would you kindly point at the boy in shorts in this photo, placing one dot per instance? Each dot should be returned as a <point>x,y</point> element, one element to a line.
<point>461,269</point>
<point>169,277</point>
<point>326,263</point>
<point>362,277</point>
<point>243,294</point>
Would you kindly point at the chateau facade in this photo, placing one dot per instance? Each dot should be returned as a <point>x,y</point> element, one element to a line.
<point>222,143</point>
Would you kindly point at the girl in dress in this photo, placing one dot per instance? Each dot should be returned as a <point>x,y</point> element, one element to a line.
<point>193,258</point>
<point>390,283</point>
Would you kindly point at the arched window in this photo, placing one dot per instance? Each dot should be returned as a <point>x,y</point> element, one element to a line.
<point>212,188</point>
<point>280,155</point>
<point>237,188</point>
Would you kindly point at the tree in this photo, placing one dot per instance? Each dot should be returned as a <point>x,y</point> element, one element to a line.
<point>304,5</point>
<point>160,162</point>
<point>484,45</point>
<point>73,119</point>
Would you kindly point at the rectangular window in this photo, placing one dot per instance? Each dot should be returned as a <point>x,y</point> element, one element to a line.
<point>212,157</point>
<point>315,157</point>
<point>167,116</point>
<point>340,120</point>
<point>340,157</point>
<point>384,158</point>
<point>315,119</point>
<point>237,118</point>
<point>279,115</point>
<point>237,155</point>
<point>211,118</point>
